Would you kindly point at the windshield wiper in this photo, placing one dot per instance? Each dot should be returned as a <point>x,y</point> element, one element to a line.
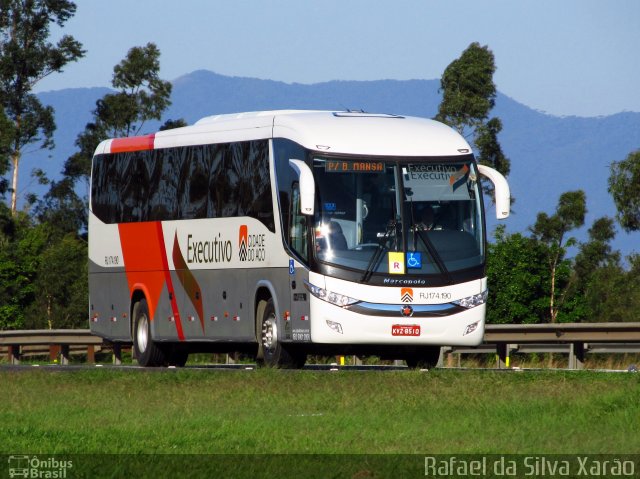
<point>424,236</point>
<point>392,227</point>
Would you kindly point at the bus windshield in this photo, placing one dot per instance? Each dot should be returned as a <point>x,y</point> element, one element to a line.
<point>428,213</point>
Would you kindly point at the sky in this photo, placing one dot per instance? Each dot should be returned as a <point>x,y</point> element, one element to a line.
<point>562,57</point>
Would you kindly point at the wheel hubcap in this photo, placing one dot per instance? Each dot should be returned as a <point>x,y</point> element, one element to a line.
<point>142,334</point>
<point>270,333</point>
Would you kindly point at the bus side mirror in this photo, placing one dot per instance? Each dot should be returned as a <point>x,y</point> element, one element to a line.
<point>501,190</point>
<point>307,186</point>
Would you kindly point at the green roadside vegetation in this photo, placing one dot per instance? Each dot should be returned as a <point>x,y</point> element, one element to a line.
<point>314,412</point>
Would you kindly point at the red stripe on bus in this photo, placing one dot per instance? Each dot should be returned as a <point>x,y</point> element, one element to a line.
<point>145,262</point>
<point>188,280</point>
<point>133,143</point>
<point>167,275</point>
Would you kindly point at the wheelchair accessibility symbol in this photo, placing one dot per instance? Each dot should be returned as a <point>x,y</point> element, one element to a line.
<point>414,260</point>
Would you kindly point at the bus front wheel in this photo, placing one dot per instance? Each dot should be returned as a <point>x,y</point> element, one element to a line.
<point>147,352</point>
<point>274,352</point>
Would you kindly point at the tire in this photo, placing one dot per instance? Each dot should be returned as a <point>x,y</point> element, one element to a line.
<point>176,357</point>
<point>425,357</point>
<point>147,352</point>
<point>271,351</point>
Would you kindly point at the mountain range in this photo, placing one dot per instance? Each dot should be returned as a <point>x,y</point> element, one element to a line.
<point>549,154</point>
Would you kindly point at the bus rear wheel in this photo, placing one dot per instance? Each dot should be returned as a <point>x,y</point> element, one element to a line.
<point>425,357</point>
<point>274,352</point>
<point>147,352</point>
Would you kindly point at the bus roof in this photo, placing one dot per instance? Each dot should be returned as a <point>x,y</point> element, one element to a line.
<point>326,131</point>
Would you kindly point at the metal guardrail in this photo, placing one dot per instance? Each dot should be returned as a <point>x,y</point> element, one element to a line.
<point>59,342</point>
<point>562,332</point>
<point>575,339</point>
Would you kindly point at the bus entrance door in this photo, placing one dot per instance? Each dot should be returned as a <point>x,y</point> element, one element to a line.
<point>298,328</point>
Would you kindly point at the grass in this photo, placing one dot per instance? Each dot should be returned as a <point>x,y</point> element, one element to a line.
<point>348,412</point>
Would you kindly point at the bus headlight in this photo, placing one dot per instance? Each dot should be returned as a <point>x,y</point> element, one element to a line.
<point>473,301</point>
<point>329,296</point>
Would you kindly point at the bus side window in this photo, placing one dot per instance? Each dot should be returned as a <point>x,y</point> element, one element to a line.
<point>298,236</point>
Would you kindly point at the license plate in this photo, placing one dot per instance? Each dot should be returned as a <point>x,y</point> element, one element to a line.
<point>405,330</point>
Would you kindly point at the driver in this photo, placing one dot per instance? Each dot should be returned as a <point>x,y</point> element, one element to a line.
<point>427,219</point>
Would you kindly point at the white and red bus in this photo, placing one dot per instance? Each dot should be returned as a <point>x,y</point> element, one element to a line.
<point>288,233</point>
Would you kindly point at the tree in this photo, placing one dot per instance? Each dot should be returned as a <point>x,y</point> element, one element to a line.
<point>468,91</point>
<point>596,263</point>
<point>6,133</point>
<point>62,209</point>
<point>142,96</point>
<point>19,263</point>
<point>26,57</point>
<point>552,232</point>
<point>43,274</point>
<point>171,124</point>
<point>468,96</point>
<point>489,152</point>
<point>596,252</point>
<point>612,294</point>
<point>624,186</point>
<point>602,296</point>
<point>518,279</point>
<point>7,227</point>
<point>61,282</point>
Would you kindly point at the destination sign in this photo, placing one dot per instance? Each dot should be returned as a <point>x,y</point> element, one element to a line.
<point>336,166</point>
